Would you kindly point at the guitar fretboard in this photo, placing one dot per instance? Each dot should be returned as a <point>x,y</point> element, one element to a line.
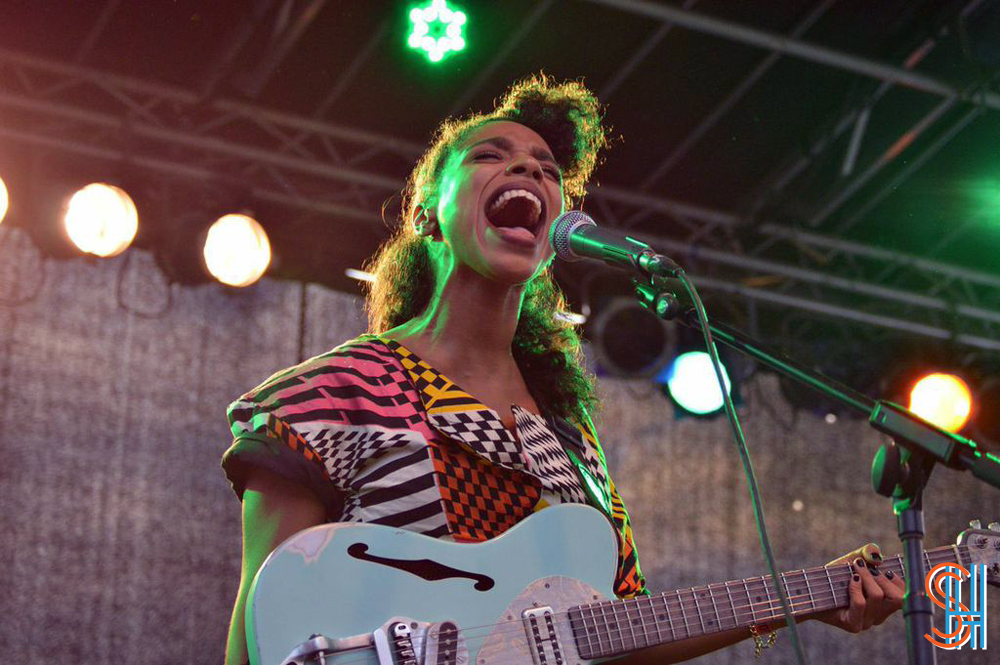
<point>615,627</point>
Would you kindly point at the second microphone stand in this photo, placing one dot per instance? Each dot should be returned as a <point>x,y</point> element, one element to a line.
<point>900,470</point>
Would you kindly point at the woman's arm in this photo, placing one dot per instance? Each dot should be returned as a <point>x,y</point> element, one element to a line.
<point>273,510</point>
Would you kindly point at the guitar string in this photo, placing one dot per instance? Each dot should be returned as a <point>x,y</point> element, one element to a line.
<point>516,625</point>
<point>511,626</point>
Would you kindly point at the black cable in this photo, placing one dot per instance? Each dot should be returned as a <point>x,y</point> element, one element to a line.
<point>741,446</point>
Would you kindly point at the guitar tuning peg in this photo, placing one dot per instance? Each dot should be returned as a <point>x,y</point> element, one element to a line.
<point>976,524</point>
<point>994,526</point>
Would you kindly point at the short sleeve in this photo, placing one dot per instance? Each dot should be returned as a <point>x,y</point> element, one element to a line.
<point>283,425</point>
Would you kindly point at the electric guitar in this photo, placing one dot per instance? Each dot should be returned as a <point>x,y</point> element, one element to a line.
<point>540,593</point>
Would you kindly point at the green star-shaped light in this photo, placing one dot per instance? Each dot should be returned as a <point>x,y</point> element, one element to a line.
<point>437,29</point>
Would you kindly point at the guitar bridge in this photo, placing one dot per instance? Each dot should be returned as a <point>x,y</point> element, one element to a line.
<point>394,644</point>
<point>541,630</point>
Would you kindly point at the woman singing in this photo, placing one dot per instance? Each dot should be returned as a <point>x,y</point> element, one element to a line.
<point>466,408</point>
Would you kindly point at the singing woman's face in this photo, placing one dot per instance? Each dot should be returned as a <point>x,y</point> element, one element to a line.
<point>496,197</point>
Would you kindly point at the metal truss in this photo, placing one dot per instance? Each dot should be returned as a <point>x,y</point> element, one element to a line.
<point>778,43</point>
<point>331,169</point>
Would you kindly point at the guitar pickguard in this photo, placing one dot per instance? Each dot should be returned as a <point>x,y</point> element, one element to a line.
<point>507,645</point>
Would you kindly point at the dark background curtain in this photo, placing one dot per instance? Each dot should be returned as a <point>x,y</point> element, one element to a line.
<point>121,536</point>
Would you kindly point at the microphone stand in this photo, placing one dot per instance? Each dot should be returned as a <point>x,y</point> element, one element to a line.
<point>900,469</point>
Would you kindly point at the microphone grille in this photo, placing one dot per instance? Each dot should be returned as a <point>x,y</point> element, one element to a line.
<point>562,229</point>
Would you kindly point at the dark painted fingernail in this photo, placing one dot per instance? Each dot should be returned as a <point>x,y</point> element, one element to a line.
<point>873,570</point>
<point>889,575</point>
<point>858,563</point>
<point>857,578</point>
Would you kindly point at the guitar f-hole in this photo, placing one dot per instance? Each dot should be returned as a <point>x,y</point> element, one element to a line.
<point>427,569</point>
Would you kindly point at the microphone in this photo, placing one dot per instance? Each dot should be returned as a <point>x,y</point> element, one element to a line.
<point>574,236</point>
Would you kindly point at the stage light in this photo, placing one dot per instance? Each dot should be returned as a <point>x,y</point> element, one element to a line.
<point>691,383</point>
<point>942,399</point>
<point>629,340</point>
<point>4,201</point>
<point>437,30</point>
<point>237,251</point>
<point>101,219</point>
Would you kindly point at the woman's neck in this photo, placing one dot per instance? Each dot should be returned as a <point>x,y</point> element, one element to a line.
<point>469,324</point>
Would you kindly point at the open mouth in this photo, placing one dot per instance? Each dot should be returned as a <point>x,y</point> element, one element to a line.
<point>516,207</point>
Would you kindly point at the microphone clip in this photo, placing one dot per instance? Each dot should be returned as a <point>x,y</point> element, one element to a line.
<point>665,297</point>
<point>654,265</point>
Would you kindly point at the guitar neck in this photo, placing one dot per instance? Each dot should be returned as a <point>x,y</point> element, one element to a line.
<point>615,627</point>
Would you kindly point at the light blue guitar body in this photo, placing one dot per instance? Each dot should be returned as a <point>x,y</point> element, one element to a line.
<point>349,584</point>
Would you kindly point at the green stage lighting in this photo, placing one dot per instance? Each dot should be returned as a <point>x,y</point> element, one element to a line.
<point>437,29</point>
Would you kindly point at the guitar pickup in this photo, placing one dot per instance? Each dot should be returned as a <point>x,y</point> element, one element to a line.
<point>540,627</point>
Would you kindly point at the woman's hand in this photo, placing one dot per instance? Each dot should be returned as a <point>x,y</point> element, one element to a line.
<point>874,595</point>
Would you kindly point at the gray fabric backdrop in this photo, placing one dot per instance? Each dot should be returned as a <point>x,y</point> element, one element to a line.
<point>121,537</point>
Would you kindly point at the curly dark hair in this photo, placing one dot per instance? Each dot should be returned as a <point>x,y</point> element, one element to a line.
<point>547,349</point>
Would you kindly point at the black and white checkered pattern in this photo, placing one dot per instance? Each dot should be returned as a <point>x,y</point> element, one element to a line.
<point>344,449</point>
<point>548,459</point>
<point>484,433</point>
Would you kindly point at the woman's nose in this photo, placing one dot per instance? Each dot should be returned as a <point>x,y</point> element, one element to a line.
<point>526,165</point>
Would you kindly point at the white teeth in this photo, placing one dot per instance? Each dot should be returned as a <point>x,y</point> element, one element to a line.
<point>512,193</point>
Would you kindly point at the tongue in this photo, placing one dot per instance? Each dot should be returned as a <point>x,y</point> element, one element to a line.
<point>515,233</point>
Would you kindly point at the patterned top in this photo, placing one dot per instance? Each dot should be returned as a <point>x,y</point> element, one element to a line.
<point>382,437</point>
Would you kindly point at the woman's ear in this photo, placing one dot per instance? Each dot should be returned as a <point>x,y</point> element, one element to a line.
<point>425,221</point>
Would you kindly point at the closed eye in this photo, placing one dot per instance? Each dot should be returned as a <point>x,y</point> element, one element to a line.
<point>552,171</point>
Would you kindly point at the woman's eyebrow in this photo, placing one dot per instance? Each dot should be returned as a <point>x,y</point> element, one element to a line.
<point>504,143</point>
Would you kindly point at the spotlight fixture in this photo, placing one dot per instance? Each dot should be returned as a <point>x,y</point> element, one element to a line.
<point>4,200</point>
<point>942,399</point>
<point>237,251</point>
<point>690,382</point>
<point>629,340</point>
<point>437,30</point>
<point>101,219</point>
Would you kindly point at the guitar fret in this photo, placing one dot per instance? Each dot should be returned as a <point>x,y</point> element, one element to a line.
<point>753,611</point>
<point>812,601</point>
<point>652,616</point>
<point>578,624</point>
<point>765,582</point>
<point>670,619</point>
<point>715,608</point>
<point>732,605</point>
<point>628,622</point>
<point>788,594</point>
<point>684,618</point>
<point>596,630</point>
<point>603,632</point>
<point>607,630</point>
<point>642,622</point>
<point>697,606</point>
<point>833,591</point>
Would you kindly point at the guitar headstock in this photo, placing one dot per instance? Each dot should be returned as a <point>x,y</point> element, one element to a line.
<point>984,547</point>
